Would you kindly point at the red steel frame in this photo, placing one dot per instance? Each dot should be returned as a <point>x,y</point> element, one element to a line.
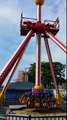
<point>13,71</point>
<point>11,75</point>
<point>15,56</point>
<point>41,29</point>
<point>61,45</point>
<point>51,63</point>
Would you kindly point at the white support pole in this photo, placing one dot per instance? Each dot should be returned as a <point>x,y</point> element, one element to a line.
<point>39,13</point>
<point>38,59</point>
<point>38,49</point>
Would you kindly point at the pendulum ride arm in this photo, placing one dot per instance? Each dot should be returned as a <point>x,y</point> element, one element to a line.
<point>51,64</point>
<point>58,96</point>
<point>15,56</point>
<point>13,71</point>
<point>10,77</point>
<point>62,46</point>
<point>5,87</point>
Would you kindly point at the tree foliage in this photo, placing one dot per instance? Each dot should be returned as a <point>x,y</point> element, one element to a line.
<point>46,76</point>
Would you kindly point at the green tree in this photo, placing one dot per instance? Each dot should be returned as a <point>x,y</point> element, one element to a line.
<point>31,72</point>
<point>60,72</point>
<point>46,77</point>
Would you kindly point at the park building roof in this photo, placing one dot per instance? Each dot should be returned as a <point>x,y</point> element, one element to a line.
<point>20,85</point>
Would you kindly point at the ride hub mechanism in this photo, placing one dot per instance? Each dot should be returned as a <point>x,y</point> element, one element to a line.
<point>37,98</point>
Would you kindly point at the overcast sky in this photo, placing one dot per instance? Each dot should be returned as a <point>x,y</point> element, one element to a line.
<point>10,39</point>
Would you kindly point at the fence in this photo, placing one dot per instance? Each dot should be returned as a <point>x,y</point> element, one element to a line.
<point>25,117</point>
<point>2,118</point>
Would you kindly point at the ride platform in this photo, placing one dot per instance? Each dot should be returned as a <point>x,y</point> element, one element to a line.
<point>35,113</point>
<point>26,24</point>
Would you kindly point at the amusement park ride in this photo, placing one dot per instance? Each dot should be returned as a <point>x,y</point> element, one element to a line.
<point>37,98</point>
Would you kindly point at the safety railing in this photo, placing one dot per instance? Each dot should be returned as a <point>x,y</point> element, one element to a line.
<point>26,19</point>
<point>25,117</point>
<point>53,23</point>
<point>2,118</point>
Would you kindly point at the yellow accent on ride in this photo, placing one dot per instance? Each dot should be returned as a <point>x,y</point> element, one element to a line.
<point>39,2</point>
<point>59,98</point>
<point>38,87</point>
<point>1,97</point>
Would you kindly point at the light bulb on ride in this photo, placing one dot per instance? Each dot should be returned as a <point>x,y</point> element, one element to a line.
<point>39,2</point>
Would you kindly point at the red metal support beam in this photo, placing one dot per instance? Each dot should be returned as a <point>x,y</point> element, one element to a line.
<point>11,75</point>
<point>61,45</point>
<point>51,63</point>
<point>11,62</point>
<point>13,71</point>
